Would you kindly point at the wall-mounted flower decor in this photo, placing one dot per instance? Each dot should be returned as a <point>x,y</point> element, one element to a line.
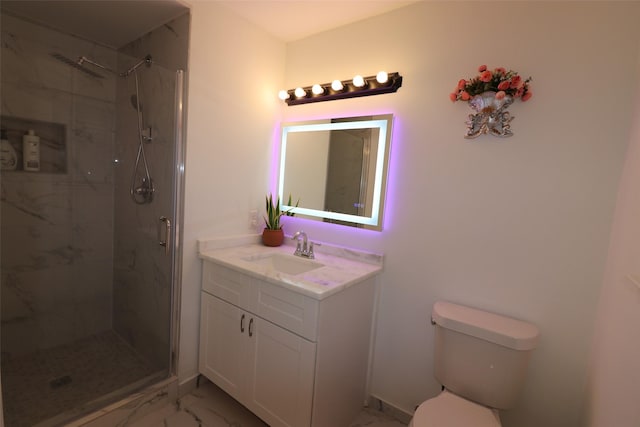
<point>489,94</point>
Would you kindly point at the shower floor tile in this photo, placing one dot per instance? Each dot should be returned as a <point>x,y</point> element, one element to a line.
<point>44,384</point>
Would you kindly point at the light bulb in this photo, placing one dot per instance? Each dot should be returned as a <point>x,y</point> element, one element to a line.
<point>337,85</point>
<point>382,77</point>
<point>317,89</point>
<point>358,81</point>
<point>300,93</point>
<point>283,94</point>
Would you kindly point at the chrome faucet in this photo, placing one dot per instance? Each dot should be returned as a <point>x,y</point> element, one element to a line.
<point>304,248</point>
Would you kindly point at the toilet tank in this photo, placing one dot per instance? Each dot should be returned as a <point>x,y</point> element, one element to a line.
<point>481,356</point>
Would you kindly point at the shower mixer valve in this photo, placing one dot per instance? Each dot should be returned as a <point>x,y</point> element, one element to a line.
<point>143,193</point>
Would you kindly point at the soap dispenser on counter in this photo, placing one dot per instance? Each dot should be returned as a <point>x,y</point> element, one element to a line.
<point>8,155</point>
<point>31,151</point>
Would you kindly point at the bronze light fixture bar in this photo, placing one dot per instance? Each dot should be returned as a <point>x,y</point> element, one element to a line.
<point>372,85</point>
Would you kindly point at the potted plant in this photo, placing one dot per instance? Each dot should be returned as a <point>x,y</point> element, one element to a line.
<point>272,235</point>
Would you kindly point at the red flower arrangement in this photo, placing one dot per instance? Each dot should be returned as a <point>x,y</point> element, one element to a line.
<point>500,81</point>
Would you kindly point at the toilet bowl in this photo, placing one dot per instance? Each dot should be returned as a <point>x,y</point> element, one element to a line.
<point>480,359</point>
<point>449,410</point>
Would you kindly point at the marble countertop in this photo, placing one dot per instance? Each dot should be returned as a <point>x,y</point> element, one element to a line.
<point>341,267</point>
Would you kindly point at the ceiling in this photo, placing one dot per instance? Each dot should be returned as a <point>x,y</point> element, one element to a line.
<point>111,23</point>
<point>291,20</point>
<point>116,23</point>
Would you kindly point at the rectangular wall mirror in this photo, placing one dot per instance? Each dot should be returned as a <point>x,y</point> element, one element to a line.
<point>336,169</point>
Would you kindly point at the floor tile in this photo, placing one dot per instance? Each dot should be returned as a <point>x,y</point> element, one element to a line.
<point>182,419</point>
<point>372,418</point>
<point>49,383</point>
<point>209,406</point>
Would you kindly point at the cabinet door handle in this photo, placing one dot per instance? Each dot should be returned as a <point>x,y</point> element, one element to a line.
<point>242,323</point>
<point>251,327</point>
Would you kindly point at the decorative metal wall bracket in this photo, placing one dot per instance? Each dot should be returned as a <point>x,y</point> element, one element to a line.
<point>489,94</point>
<point>491,116</point>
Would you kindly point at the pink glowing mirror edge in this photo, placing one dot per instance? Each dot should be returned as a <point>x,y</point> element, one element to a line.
<point>383,123</point>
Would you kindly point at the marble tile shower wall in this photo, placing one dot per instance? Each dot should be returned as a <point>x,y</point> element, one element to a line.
<point>56,228</point>
<point>142,270</point>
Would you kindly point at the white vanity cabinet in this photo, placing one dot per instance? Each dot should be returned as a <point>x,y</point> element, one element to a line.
<point>291,359</point>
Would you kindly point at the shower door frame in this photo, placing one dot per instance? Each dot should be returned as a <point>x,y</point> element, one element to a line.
<point>178,215</point>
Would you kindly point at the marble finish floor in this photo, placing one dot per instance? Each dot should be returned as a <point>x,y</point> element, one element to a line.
<point>48,386</point>
<point>208,406</point>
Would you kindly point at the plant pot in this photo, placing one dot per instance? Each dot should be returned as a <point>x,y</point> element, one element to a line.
<point>272,237</point>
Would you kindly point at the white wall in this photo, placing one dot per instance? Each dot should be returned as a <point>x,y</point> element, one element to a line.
<point>234,72</point>
<point>614,384</point>
<point>518,226</point>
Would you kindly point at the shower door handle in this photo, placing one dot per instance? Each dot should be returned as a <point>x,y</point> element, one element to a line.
<point>167,234</point>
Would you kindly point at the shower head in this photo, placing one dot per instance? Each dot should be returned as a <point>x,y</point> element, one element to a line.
<point>77,65</point>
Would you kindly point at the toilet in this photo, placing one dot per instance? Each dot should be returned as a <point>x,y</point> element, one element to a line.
<point>481,359</point>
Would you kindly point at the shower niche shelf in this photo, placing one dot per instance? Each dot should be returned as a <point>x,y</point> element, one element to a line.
<point>53,143</point>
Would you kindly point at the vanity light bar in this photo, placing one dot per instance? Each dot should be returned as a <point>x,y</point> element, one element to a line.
<point>359,86</point>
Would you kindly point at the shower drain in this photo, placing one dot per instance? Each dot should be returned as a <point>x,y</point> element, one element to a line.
<point>60,381</point>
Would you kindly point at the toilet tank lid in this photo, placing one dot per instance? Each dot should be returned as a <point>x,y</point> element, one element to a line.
<point>502,330</point>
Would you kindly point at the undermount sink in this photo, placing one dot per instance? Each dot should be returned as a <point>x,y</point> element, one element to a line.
<point>288,264</point>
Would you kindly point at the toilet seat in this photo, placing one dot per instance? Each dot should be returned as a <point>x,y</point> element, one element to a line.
<point>449,410</point>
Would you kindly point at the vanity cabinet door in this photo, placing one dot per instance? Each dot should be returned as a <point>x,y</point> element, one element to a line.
<point>222,356</point>
<point>265,367</point>
<point>283,367</point>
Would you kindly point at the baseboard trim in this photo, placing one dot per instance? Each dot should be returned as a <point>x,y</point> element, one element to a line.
<point>188,385</point>
<point>389,409</point>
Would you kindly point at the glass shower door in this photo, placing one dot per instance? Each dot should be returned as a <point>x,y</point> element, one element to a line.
<point>86,288</point>
<point>142,267</point>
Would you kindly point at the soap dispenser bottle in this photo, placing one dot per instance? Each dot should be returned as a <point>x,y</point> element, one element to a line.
<point>31,152</point>
<point>8,155</point>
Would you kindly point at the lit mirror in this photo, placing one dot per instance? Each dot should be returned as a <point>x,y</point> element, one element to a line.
<point>336,169</point>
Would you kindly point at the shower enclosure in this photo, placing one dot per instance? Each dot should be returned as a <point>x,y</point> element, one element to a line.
<point>88,243</point>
